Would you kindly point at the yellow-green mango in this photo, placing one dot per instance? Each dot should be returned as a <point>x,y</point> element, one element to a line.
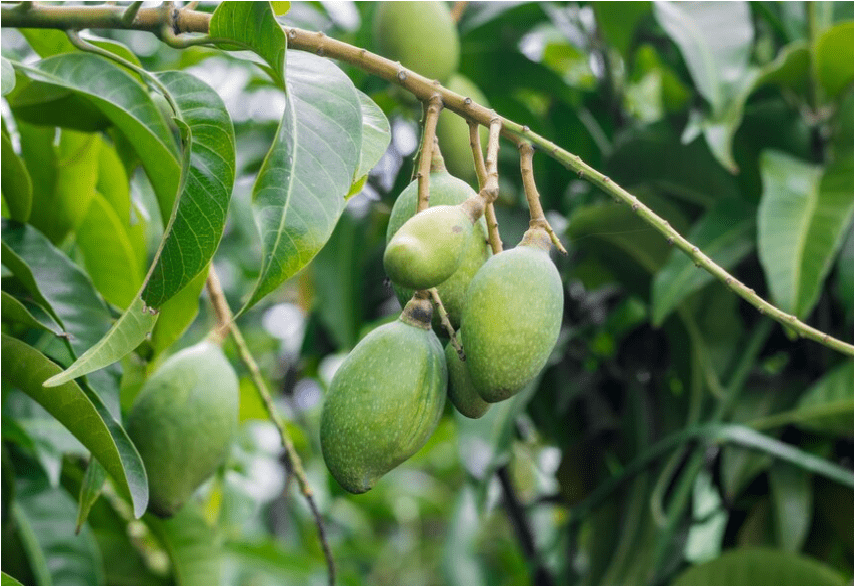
<point>421,35</point>
<point>512,317</point>
<point>461,391</point>
<point>385,399</point>
<point>453,131</point>
<point>182,423</point>
<point>445,189</point>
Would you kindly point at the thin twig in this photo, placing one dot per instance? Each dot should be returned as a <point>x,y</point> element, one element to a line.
<point>428,137</point>
<point>446,323</point>
<point>538,218</point>
<point>490,188</point>
<point>480,169</point>
<point>226,323</point>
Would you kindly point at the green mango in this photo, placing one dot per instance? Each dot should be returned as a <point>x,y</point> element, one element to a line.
<point>421,35</point>
<point>182,423</point>
<point>453,131</point>
<point>445,189</point>
<point>461,391</point>
<point>385,399</point>
<point>512,317</point>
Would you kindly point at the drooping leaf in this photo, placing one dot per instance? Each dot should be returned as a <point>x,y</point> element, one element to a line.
<point>17,186</point>
<point>196,224</point>
<point>126,334</point>
<point>253,26</point>
<point>791,492</point>
<point>802,219</point>
<point>87,418</point>
<point>126,103</point>
<point>828,406</point>
<point>90,491</point>
<point>7,76</point>
<point>376,135</point>
<point>178,313</point>
<point>300,191</point>
<point>14,311</point>
<point>191,545</point>
<point>7,580</point>
<point>754,566</point>
<point>725,234</point>
<point>832,58</point>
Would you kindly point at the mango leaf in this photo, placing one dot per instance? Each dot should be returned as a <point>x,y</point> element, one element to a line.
<point>754,566</point>
<point>128,332</point>
<point>114,185</point>
<point>845,275</point>
<point>376,135</point>
<point>802,218</point>
<point>301,188</point>
<point>253,26</point>
<point>191,545</point>
<point>84,415</point>
<point>178,313</point>
<point>7,580</point>
<point>725,234</point>
<point>90,490</point>
<point>791,492</point>
<point>49,42</point>
<point>739,466</point>
<point>7,76</point>
<point>828,406</point>
<point>832,58</point>
<point>618,23</point>
<point>126,103</point>
<point>196,224</point>
<point>22,272</point>
<point>16,312</point>
<point>17,187</point>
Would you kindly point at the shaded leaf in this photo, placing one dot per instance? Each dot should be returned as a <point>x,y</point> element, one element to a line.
<point>83,414</point>
<point>618,22</point>
<point>300,191</point>
<point>253,26</point>
<point>725,234</point>
<point>127,333</point>
<point>828,406</point>
<point>802,219</point>
<point>178,313</point>
<point>196,224</point>
<point>753,566</point>
<point>376,135</point>
<point>791,492</point>
<point>90,490</point>
<point>16,312</point>
<point>17,187</point>
<point>190,543</point>
<point>845,275</point>
<point>833,61</point>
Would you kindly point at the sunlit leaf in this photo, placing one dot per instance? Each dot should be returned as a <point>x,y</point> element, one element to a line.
<point>178,313</point>
<point>833,64</point>
<point>17,186</point>
<point>376,135</point>
<point>7,76</point>
<point>253,26</point>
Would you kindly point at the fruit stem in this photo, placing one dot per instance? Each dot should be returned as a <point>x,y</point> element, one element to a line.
<point>538,218</point>
<point>418,311</point>
<point>480,169</point>
<point>446,323</point>
<point>225,323</point>
<point>428,137</point>
<point>437,161</point>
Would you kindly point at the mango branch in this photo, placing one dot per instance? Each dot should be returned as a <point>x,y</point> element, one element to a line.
<point>480,170</point>
<point>428,138</point>
<point>165,22</point>
<point>538,218</point>
<point>225,324</point>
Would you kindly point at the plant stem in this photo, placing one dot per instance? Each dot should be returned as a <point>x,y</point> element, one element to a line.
<point>225,323</point>
<point>428,138</point>
<point>538,218</point>
<point>154,19</point>
<point>480,169</point>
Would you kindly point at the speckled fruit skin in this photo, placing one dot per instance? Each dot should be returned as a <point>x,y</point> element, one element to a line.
<point>445,189</point>
<point>182,423</point>
<point>428,248</point>
<point>421,35</point>
<point>453,131</point>
<point>511,319</point>
<point>383,404</point>
<point>461,391</point>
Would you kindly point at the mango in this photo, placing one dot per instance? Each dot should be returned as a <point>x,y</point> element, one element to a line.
<point>445,189</point>
<point>512,316</point>
<point>461,391</point>
<point>421,35</point>
<point>453,131</point>
<point>385,399</point>
<point>182,423</point>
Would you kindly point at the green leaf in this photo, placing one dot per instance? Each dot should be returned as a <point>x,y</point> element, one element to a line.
<point>7,76</point>
<point>376,135</point>
<point>300,190</point>
<point>253,26</point>
<point>618,22</point>
<point>196,225</point>
<point>22,272</point>
<point>802,219</point>
<point>178,313</point>
<point>114,185</point>
<point>725,234</point>
<point>833,61</point>
<point>126,103</point>
<point>90,490</point>
<point>191,544</point>
<point>48,42</point>
<point>845,275</point>
<point>791,492</point>
<point>760,566</point>
<point>828,406</point>
<point>17,187</point>
<point>128,332</point>
<point>83,414</point>
<point>6,579</point>
<point>110,258</point>
<point>16,312</point>
<point>739,466</point>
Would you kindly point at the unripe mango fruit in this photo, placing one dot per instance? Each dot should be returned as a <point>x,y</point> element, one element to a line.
<point>445,189</point>
<point>421,35</point>
<point>461,391</point>
<point>182,423</point>
<point>385,399</point>
<point>512,317</point>
<point>453,131</point>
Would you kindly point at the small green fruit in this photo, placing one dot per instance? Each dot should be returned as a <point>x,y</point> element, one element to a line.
<point>445,189</point>
<point>461,391</point>
<point>453,131</point>
<point>385,400</point>
<point>182,423</point>
<point>421,35</point>
<point>429,247</point>
<point>512,317</point>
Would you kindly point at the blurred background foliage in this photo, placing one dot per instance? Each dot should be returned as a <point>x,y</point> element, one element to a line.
<point>733,121</point>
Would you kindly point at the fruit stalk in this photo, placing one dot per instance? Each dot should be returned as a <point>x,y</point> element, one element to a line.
<point>431,117</point>
<point>225,324</point>
<point>538,218</point>
<point>446,323</point>
<point>480,169</point>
